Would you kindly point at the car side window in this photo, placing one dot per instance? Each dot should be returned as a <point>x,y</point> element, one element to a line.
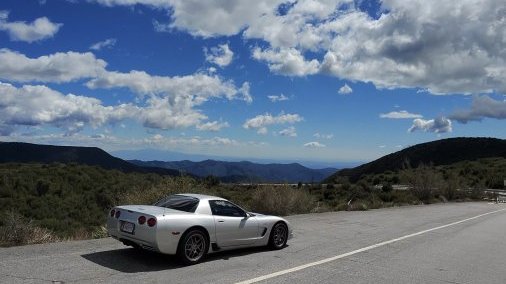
<point>224,208</point>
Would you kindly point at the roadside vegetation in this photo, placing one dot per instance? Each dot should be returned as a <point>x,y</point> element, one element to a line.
<point>46,203</point>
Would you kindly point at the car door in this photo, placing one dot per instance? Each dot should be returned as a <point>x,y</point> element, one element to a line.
<point>233,225</point>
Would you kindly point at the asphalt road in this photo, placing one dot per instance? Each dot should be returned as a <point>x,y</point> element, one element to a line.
<point>447,243</point>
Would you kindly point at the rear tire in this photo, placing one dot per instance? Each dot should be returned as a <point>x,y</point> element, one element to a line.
<point>278,236</point>
<point>192,247</point>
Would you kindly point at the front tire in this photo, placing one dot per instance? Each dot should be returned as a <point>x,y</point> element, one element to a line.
<point>192,247</point>
<point>279,236</point>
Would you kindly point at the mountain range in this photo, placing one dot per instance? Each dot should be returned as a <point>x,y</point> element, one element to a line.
<point>244,171</point>
<point>17,152</point>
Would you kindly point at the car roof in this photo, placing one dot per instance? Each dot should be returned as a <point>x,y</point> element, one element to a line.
<point>202,196</point>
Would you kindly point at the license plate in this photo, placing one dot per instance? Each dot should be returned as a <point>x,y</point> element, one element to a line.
<point>127,227</point>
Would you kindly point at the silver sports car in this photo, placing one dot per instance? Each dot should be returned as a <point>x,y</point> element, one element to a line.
<point>192,225</point>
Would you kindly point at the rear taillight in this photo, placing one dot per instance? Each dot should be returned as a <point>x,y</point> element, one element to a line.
<point>151,222</point>
<point>141,220</point>
<point>118,213</point>
<point>112,212</point>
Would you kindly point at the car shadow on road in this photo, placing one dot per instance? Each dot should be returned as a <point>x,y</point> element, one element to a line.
<point>130,260</point>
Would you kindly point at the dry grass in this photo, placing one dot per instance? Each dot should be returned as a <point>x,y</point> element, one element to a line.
<point>17,230</point>
<point>282,200</point>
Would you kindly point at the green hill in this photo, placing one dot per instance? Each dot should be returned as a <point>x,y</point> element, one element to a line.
<point>436,153</point>
<point>17,152</point>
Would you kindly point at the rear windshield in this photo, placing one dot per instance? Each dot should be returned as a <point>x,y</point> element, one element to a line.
<point>179,202</point>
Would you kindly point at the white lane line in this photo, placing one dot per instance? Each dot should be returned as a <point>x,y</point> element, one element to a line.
<point>330,259</point>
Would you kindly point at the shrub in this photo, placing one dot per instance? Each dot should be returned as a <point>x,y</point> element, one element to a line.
<point>282,200</point>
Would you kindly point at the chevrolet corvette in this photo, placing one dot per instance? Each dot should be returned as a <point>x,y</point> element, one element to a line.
<point>193,225</point>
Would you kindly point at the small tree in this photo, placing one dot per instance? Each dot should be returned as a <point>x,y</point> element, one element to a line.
<point>424,181</point>
<point>211,181</point>
<point>451,185</point>
<point>387,187</point>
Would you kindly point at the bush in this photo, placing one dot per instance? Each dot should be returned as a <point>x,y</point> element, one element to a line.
<point>282,200</point>
<point>387,187</point>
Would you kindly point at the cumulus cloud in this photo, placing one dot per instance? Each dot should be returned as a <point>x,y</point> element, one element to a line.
<point>58,67</point>
<point>402,114</point>
<point>437,125</point>
<point>40,29</point>
<point>286,61</point>
<point>323,136</point>
<point>345,90</point>
<point>167,102</point>
<point>39,105</point>
<point>260,122</point>
<point>275,98</point>
<point>482,107</point>
<point>207,18</point>
<point>198,87</point>
<point>220,55</point>
<point>443,47</point>
<point>212,126</point>
<point>108,43</point>
<point>314,145</point>
<point>290,132</point>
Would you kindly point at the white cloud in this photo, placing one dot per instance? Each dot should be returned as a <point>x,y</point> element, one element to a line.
<point>161,27</point>
<point>58,67</point>
<point>444,47</point>
<point>314,145</point>
<point>290,132</point>
<point>345,90</point>
<point>482,107</point>
<point>260,122</point>
<point>164,113</point>
<point>275,98</point>
<point>39,105</point>
<point>196,88</point>
<point>402,114</point>
<point>167,102</point>
<point>323,136</point>
<point>262,131</point>
<point>437,125</point>
<point>39,29</point>
<point>212,126</point>
<point>207,18</point>
<point>220,55</point>
<point>108,43</point>
<point>287,61</point>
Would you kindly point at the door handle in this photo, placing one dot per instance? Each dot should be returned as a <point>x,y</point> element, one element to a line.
<point>221,221</point>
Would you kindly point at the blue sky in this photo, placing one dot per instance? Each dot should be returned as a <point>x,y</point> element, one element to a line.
<point>330,81</point>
